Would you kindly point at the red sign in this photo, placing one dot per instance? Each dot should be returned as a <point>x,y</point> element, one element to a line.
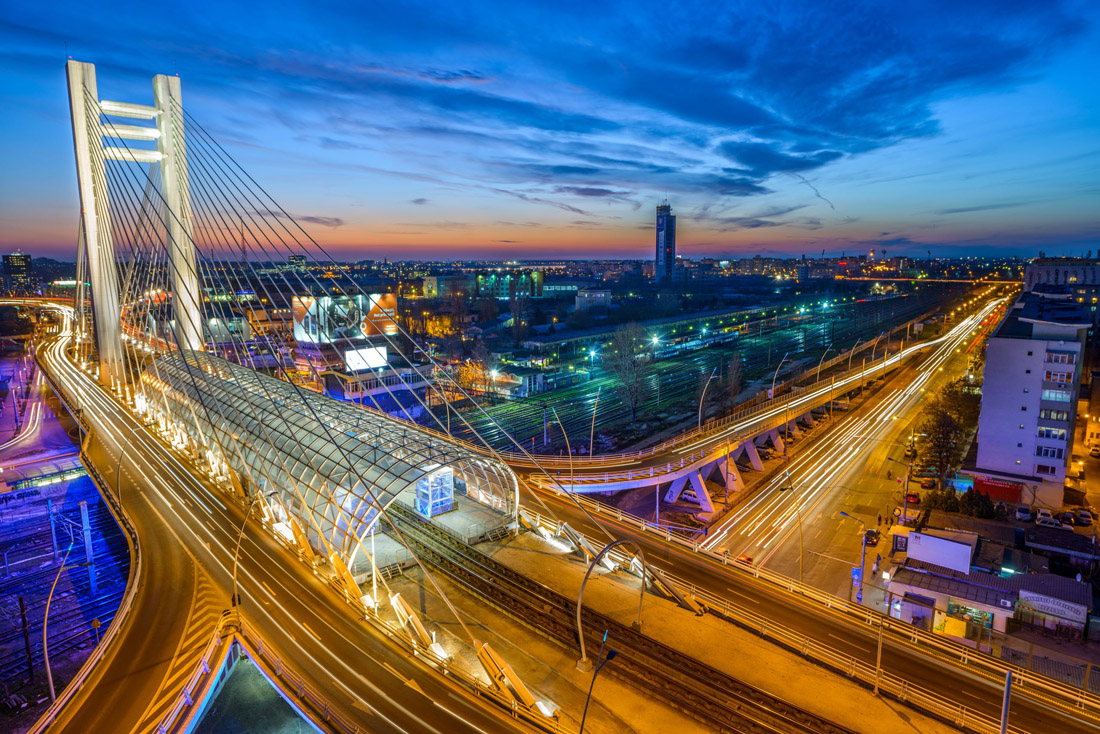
<point>998,489</point>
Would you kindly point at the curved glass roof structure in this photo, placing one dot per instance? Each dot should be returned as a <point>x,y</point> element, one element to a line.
<point>331,463</point>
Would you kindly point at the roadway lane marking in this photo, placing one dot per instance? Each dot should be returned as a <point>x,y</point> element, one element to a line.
<point>849,641</point>
<point>269,591</point>
<point>743,596</point>
<point>306,626</point>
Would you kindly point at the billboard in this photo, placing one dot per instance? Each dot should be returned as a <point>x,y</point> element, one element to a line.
<point>325,319</point>
<point>370,358</point>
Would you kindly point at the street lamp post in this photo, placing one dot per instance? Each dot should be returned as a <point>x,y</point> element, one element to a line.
<point>704,395</point>
<point>584,664</point>
<point>905,491</point>
<point>862,554</point>
<point>568,450</point>
<point>237,550</point>
<point>610,656</point>
<point>46,617</point>
<point>771,390</point>
<point>852,354</point>
<point>819,363</point>
<point>592,432</point>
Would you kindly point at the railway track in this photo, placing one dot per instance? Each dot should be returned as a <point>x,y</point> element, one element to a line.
<point>705,693</point>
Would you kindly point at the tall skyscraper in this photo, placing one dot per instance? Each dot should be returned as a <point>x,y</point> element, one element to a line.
<point>17,272</point>
<point>665,265</point>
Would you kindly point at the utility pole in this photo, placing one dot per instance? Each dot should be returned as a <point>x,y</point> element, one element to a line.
<point>26,638</point>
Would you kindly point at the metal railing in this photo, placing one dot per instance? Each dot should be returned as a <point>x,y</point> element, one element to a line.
<point>860,618</point>
<point>185,698</point>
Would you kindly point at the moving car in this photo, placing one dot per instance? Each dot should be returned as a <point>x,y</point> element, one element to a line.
<point>1023,512</point>
<point>745,559</point>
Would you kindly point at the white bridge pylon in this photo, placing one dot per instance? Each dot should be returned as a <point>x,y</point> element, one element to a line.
<point>90,135</point>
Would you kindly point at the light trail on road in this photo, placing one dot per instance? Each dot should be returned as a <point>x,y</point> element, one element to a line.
<point>768,519</point>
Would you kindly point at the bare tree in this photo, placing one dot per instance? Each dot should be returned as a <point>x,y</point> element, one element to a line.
<point>630,365</point>
<point>517,305</point>
<point>731,383</point>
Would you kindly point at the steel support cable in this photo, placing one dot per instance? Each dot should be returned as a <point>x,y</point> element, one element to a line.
<point>439,590</point>
<point>386,387</point>
<point>168,211</point>
<point>381,510</point>
<point>462,418</point>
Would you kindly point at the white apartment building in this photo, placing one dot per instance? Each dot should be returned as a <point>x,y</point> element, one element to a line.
<point>1029,397</point>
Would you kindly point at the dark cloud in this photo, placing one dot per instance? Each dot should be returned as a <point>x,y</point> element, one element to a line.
<point>762,159</point>
<point>420,201</point>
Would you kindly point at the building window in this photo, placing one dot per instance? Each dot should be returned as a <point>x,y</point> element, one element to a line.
<point>1044,469</point>
<point>1026,390</point>
<point>1058,434</point>
<point>1019,446</point>
<point>1050,376</point>
<point>1054,415</point>
<point>1023,408</point>
<point>1027,372</point>
<point>1059,358</point>
<point>1049,452</point>
<point>1057,396</point>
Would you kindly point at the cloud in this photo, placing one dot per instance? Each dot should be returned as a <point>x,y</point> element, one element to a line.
<point>419,201</point>
<point>981,207</point>
<point>762,159</point>
<point>323,221</point>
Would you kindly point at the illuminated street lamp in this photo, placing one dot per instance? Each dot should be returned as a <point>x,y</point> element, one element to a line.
<point>713,374</point>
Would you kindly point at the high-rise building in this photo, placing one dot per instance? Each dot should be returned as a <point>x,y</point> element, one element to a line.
<point>296,263</point>
<point>1033,366</point>
<point>665,263</point>
<point>17,272</point>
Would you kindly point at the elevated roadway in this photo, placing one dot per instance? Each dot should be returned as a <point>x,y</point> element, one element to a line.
<point>187,535</point>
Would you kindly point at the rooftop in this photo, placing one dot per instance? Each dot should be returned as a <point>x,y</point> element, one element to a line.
<point>1042,308</point>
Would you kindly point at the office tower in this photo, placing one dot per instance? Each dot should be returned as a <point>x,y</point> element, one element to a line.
<point>665,265</point>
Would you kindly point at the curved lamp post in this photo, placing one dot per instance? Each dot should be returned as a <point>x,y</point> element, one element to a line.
<point>568,450</point>
<point>820,361</point>
<point>46,617</point>
<point>236,553</point>
<point>798,515</point>
<point>599,666</point>
<point>771,390</point>
<point>704,395</point>
<point>592,433</point>
<point>852,354</point>
<point>584,663</point>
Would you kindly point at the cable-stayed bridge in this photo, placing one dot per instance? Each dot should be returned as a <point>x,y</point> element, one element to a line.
<point>197,421</point>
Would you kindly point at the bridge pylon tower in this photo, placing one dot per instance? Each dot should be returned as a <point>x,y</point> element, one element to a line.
<point>169,157</point>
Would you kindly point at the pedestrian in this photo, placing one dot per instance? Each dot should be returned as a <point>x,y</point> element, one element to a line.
<point>880,519</point>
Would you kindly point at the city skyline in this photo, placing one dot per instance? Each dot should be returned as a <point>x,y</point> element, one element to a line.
<point>521,134</point>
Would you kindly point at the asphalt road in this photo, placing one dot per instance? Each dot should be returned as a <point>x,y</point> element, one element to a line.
<point>825,470</point>
<point>188,534</point>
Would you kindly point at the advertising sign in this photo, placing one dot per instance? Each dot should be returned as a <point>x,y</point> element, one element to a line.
<point>371,358</point>
<point>325,320</point>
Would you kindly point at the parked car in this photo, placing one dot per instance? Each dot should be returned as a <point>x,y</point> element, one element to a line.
<point>1094,452</point>
<point>910,452</point>
<point>1023,512</point>
<point>929,472</point>
<point>1047,522</point>
<point>928,484</point>
<point>913,498</point>
<point>1043,514</point>
<point>1066,518</point>
<point>1082,517</point>
<point>871,537</point>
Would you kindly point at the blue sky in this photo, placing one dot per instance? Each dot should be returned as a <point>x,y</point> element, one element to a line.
<point>531,130</point>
